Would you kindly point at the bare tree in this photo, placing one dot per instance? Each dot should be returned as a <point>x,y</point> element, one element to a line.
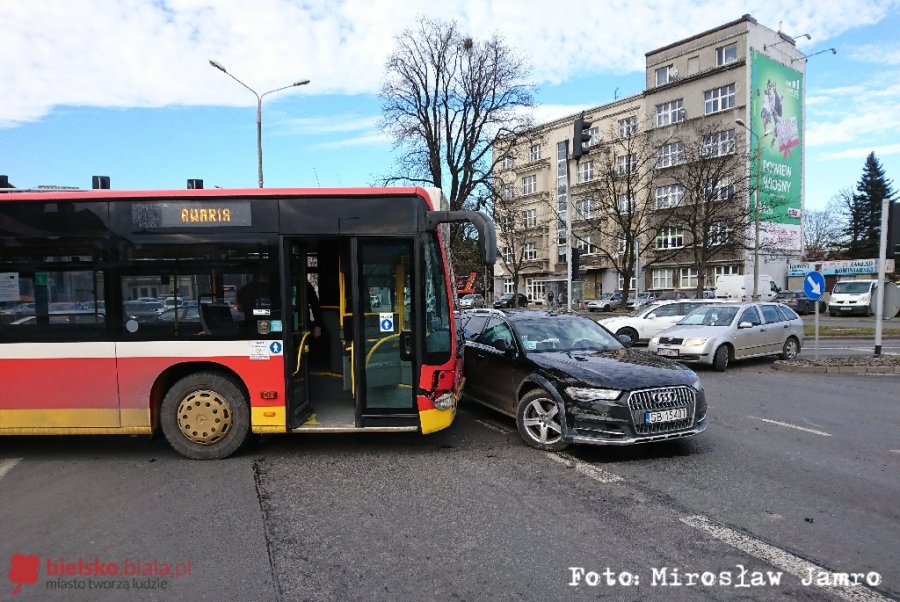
<point>518,235</point>
<point>448,100</point>
<point>824,230</point>
<point>697,197</point>
<point>614,198</point>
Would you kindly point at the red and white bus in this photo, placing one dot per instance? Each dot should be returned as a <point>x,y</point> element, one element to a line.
<point>208,364</point>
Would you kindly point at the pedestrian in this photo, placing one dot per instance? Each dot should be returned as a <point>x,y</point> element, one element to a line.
<point>551,300</point>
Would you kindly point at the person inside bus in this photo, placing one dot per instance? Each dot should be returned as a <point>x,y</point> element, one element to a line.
<point>255,301</point>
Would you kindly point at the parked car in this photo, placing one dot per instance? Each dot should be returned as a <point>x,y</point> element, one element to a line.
<point>471,300</point>
<point>142,311</point>
<point>648,320</point>
<point>506,300</point>
<point>642,299</point>
<point>717,334</point>
<point>605,302</point>
<point>565,380</point>
<point>853,297</point>
<point>799,302</point>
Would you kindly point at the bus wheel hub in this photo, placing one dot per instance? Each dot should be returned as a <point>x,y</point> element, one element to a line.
<point>204,417</point>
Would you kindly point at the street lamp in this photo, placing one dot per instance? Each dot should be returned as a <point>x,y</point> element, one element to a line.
<point>259,98</point>
<point>759,145</point>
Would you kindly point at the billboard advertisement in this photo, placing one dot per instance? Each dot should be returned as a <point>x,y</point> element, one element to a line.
<point>776,119</point>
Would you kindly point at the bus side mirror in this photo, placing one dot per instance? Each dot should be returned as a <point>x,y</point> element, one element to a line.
<point>487,234</point>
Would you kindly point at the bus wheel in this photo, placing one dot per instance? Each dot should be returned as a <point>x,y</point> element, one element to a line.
<point>205,416</point>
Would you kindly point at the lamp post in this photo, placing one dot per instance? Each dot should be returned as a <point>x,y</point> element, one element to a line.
<point>759,145</point>
<point>259,98</point>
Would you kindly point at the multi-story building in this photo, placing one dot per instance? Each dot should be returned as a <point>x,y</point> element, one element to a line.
<point>733,91</point>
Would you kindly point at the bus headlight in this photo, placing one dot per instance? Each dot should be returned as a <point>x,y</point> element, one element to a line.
<point>444,402</point>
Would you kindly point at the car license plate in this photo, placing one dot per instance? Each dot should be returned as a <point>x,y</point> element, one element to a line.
<point>667,352</point>
<point>665,416</point>
<point>846,308</point>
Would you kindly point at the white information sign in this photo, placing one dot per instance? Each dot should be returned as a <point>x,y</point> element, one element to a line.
<point>9,286</point>
<point>386,322</point>
<point>259,350</point>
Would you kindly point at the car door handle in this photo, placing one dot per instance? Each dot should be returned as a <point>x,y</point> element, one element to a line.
<point>762,329</point>
<point>787,325</point>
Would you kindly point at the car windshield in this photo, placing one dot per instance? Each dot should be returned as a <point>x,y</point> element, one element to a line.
<point>563,333</point>
<point>711,316</point>
<point>786,295</point>
<point>852,288</point>
<point>643,309</point>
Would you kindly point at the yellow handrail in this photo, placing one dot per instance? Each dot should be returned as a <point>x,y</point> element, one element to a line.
<point>300,352</point>
<point>376,345</point>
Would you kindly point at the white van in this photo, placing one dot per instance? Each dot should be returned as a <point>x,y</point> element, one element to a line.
<point>740,287</point>
<point>853,297</point>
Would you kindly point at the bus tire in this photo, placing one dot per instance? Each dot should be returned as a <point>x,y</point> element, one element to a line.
<point>205,416</point>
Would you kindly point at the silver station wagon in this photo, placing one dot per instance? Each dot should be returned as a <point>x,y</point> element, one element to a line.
<point>716,335</point>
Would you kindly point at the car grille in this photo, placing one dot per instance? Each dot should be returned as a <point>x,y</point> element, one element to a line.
<point>665,398</point>
<point>671,340</point>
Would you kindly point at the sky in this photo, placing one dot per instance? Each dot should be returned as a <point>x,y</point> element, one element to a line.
<point>124,88</point>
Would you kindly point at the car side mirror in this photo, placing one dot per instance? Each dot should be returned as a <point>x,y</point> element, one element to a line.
<point>625,340</point>
<point>745,325</point>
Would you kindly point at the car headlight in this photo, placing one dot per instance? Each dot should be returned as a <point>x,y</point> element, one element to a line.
<point>591,394</point>
<point>693,342</point>
<point>654,341</point>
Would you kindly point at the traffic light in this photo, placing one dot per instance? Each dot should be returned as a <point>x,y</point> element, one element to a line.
<point>576,264</point>
<point>580,136</point>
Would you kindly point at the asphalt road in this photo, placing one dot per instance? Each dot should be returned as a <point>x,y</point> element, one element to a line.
<point>796,473</point>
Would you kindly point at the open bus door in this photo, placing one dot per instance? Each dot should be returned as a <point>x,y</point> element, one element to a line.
<point>359,373</point>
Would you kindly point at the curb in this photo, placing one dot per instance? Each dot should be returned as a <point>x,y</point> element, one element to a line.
<point>789,366</point>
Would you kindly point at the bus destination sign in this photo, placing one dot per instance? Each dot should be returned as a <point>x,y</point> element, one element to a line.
<point>191,214</point>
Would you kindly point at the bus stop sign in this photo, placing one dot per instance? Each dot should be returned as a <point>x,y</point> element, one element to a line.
<point>814,285</point>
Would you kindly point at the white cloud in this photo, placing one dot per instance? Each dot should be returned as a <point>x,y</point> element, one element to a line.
<point>153,53</point>
<point>861,152</point>
<point>881,54</point>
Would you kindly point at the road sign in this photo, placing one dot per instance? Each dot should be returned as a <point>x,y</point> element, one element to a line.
<point>814,285</point>
<point>386,322</point>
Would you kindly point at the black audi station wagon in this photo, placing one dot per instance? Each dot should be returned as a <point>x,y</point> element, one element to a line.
<point>566,379</point>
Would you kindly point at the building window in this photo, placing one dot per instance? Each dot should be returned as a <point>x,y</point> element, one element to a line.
<point>508,192</point>
<point>726,54</point>
<point>530,251</point>
<point>625,203</point>
<point>670,238</point>
<point>668,155</point>
<point>508,255</point>
<point>561,253</point>
<point>585,171</point>
<point>505,223</point>
<point>535,289</point>
<point>620,244</point>
<point>594,133</point>
<point>508,162</point>
<point>508,286</point>
<point>688,278</point>
<point>535,152</point>
<point>719,99</point>
<point>669,196</point>
<point>719,189</point>
<point>722,270</point>
<point>626,164</point>
<point>631,286</point>
<point>662,279</point>
<point>720,233</point>
<point>529,184</point>
<point>665,74</point>
<point>583,244</point>
<point>628,127</point>
<point>530,218</point>
<point>584,208</point>
<point>719,144</point>
<point>670,112</point>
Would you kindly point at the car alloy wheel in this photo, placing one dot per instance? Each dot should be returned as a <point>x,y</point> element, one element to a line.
<point>791,349</point>
<point>539,422</point>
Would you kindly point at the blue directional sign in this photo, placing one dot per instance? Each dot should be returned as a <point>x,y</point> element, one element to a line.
<point>814,285</point>
<point>386,322</point>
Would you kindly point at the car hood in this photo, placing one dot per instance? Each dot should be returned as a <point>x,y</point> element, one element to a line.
<point>626,369</point>
<point>694,331</point>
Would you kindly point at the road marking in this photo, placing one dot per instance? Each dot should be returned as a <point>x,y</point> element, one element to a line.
<point>494,427</point>
<point>896,451</point>
<point>7,465</point>
<point>785,561</point>
<point>589,470</point>
<point>793,426</point>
